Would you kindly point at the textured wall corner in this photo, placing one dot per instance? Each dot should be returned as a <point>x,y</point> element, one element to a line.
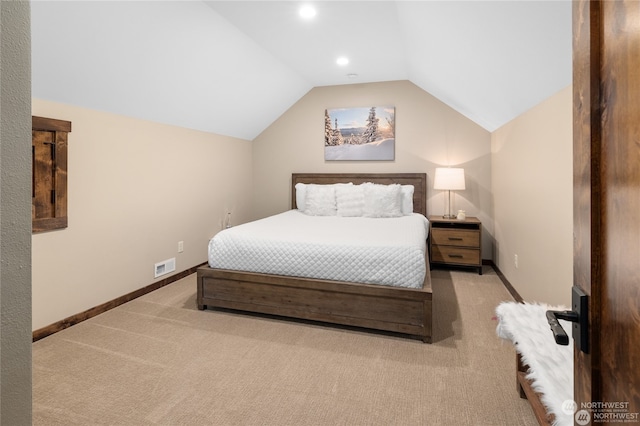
<point>15,213</point>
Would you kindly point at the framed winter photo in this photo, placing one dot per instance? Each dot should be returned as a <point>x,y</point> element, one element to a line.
<point>360,134</point>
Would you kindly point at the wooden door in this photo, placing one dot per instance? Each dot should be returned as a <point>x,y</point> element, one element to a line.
<point>606,88</point>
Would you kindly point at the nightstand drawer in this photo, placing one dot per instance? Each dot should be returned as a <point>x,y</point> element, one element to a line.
<point>450,254</point>
<point>455,237</point>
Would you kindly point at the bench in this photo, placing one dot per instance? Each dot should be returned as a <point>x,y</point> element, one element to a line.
<point>544,370</point>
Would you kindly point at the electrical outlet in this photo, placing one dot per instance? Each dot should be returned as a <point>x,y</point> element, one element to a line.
<point>180,246</point>
<point>515,260</point>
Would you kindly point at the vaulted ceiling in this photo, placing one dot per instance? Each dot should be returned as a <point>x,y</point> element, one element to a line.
<point>233,67</point>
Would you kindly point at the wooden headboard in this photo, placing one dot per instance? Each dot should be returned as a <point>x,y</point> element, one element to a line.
<point>418,180</point>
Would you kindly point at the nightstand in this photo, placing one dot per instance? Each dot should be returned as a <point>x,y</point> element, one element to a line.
<point>455,242</point>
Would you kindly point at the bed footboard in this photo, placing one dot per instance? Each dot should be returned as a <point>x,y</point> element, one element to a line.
<point>400,310</point>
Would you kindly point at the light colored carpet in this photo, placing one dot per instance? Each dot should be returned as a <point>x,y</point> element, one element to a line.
<point>157,360</point>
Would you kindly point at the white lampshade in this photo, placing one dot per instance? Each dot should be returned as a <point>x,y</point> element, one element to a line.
<point>449,178</point>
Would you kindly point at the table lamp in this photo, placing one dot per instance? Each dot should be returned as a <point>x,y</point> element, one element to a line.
<point>449,179</point>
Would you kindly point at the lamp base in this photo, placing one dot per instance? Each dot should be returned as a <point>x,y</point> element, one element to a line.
<point>447,208</point>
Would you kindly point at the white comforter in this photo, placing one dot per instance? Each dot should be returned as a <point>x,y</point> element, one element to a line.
<point>386,251</point>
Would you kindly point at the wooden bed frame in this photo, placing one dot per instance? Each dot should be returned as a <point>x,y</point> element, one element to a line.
<point>396,309</point>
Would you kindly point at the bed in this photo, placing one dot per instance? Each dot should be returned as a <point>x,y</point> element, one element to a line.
<point>379,307</point>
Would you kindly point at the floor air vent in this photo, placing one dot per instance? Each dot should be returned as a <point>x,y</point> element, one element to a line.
<point>165,267</point>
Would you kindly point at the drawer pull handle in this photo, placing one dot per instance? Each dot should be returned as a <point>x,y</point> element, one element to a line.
<point>455,239</point>
<point>456,256</point>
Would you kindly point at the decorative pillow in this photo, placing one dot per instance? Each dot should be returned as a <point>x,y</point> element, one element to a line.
<point>320,200</point>
<point>301,196</point>
<point>407,199</point>
<point>382,200</point>
<point>301,192</point>
<point>349,200</point>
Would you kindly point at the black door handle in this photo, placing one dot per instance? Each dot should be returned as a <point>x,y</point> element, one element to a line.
<point>578,316</point>
<point>559,334</point>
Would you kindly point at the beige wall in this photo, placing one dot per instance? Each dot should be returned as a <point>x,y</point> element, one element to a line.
<point>532,186</point>
<point>136,188</point>
<point>429,134</point>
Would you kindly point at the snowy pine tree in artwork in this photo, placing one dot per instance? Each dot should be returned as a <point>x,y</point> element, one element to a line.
<point>336,136</point>
<point>371,133</point>
<point>328,131</point>
<point>332,136</point>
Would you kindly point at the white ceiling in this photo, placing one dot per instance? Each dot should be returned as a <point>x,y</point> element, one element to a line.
<point>233,67</point>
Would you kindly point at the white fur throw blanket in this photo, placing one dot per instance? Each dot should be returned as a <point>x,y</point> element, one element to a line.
<point>550,364</point>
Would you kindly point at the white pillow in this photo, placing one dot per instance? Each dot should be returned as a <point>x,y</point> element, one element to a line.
<point>301,196</point>
<point>320,200</point>
<point>349,200</point>
<point>382,200</point>
<point>407,199</point>
<point>301,192</point>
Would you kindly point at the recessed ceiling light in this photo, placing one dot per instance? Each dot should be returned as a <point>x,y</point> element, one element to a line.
<point>307,11</point>
<point>343,60</point>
